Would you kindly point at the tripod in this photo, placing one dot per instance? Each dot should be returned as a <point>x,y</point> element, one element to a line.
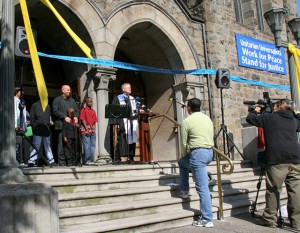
<point>22,161</point>
<point>21,133</point>
<point>280,219</point>
<point>226,137</point>
<point>258,186</point>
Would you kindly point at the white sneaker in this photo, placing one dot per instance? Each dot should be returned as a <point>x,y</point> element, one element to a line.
<point>203,223</point>
<point>184,194</point>
<point>90,163</point>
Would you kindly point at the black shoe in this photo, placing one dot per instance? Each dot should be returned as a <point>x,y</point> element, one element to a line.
<point>62,164</point>
<point>30,164</point>
<point>53,164</point>
<point>130,161</point>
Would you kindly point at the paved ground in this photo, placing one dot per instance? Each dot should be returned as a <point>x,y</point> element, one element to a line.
<point>243,223</point>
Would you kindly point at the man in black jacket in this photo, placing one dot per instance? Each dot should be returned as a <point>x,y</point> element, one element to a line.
<point>59,107</point>
<point>40,121</point>
<point>282,149</point>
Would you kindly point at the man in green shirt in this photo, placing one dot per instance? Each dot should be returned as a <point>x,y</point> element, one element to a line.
<point>197,139</point>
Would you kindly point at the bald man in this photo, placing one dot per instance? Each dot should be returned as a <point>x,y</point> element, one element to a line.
<point>60,105</point>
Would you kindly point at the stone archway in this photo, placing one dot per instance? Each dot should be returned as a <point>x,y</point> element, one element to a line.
<point>147,36</point>
<point>104,34</point>
<point>52,38</point>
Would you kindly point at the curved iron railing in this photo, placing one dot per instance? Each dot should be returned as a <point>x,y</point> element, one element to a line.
<point>227,168</point>
<point>225,171</point>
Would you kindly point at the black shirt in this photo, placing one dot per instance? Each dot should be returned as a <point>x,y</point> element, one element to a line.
<point>40,119</point>
<point>59,106</point>
<point>280,129</point>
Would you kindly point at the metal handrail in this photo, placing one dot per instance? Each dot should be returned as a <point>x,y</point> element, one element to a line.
<point>226,168</point>
<point>294,168</point>
<point>225,171</point>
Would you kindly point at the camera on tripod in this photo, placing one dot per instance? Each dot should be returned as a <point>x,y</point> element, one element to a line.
<point>267,104</point>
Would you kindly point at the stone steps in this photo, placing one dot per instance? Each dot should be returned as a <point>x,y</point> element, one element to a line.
<point>140,198</point>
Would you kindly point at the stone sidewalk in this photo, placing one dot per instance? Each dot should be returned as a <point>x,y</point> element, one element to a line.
<point>243,223</point>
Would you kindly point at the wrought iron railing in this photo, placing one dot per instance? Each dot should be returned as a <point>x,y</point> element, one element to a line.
<point>227,168</point>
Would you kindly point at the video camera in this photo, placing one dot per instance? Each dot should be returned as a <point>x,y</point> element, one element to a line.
<point>267,104</point>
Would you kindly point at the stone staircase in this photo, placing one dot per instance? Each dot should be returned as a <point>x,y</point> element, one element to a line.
<point>141,198</point>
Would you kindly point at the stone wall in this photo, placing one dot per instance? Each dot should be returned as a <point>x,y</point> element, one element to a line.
<point>221,27</point>
<point>181,21</point>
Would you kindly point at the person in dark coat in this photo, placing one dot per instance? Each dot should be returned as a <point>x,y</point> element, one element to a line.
<point>282,149</point>
<point>40,121</point>
<point>69,135</point>
<point>59,107</point>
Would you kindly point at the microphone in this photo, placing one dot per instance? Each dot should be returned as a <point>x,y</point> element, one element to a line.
<point>171,99</point>
<point>175,99</point>
<point>126,99</point>
<point>249,102</point>
<point>139,98</point>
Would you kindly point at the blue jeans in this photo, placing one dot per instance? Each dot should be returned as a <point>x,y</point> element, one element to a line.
<point>89,145</point>
<point>196,161</point>
<point>37,140</point>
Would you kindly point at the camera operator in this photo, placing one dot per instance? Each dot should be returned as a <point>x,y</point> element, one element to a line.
<point>282,149</point>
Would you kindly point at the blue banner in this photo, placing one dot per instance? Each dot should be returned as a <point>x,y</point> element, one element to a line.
<point>129,66</point>
<point>260,55</point>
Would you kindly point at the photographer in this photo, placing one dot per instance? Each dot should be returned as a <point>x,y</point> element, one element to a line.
<point>282,149</point>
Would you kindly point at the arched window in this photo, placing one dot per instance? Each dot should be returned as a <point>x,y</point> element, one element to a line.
<point>251,13</point>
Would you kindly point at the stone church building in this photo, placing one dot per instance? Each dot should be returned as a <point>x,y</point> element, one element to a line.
<point>173,35</point>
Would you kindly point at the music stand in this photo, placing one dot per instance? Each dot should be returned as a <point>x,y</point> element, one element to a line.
<point>115,112</point>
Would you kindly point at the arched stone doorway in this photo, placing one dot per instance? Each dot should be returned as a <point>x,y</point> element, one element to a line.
<point>145,34</point>
<point>52,38</point>
<point>145,44</point>
<point>156,40</point>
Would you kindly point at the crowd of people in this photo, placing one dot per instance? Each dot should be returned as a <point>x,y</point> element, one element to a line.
<point>74,127</point>
<point>71,127</point>
<point>277,128</point>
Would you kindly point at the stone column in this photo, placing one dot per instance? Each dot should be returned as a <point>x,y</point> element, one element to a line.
<point>101,77</point>
<point>185,91</point>
<point>24,207</point>
<point>9,173</point>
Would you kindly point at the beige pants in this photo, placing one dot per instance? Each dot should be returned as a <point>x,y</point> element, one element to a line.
<point>276,175</point>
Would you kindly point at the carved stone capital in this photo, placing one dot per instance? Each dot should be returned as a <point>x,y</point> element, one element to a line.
<point>101,76</point>
<point>188,89</point>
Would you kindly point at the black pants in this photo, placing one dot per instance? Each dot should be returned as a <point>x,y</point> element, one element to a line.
<point>70,151</point>
<point>60,149</point>
<point>131,151</point>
